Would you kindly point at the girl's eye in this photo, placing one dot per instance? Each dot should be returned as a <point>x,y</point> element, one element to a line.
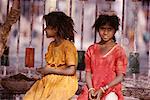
<point>109,29</point>
<point>102,28</point>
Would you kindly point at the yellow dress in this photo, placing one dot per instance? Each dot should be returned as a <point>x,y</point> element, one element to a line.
<point>52,86</point>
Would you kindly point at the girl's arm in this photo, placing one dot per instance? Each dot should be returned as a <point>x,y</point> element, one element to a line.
<point>117,80</point>
<point>70,70</point>
<point>70,63</point>
<point>91,90</point>
<point>89,79</point>
<point>121,63</point>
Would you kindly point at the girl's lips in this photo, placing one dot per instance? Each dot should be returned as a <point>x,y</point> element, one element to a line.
<point>105,37</point>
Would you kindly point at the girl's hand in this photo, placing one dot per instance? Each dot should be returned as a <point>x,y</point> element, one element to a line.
<point>36,77</point>
<point>91,95</point>
<point>98,94</point>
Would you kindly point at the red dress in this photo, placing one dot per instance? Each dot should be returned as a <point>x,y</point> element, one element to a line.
<point>104,69</point>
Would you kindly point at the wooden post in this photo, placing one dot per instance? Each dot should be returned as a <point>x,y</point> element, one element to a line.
<point>18,42</point>
<point>82,24</point>
<point>96,9</point>
<point>42,48</point>
<point>82,33</point>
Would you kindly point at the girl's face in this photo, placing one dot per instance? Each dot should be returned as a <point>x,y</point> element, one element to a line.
<point>50,31</point>
<point>106,32</point>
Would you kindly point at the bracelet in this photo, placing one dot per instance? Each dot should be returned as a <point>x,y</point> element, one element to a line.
<point>102,89</point>
<point>105,87</point>
<point>91,89</point>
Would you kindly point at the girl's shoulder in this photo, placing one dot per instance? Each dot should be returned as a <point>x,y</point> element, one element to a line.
<point>68,43</point>
<point>119,47</point>
<point>93,46</point>
<point>50,44</point>
<point>119,50</point>
<point>64,43</point>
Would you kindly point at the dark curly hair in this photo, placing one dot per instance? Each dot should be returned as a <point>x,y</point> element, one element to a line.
<point>62,22</point>
<point>112,20</point>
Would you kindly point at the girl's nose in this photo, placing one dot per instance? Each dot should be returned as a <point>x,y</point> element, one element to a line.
<point>45,29</point>
<point>105,32</point>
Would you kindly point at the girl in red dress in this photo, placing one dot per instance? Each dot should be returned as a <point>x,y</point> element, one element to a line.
<point>106,63</point>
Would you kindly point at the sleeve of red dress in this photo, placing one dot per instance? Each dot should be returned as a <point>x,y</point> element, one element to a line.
<point>121,62</point>
<point>88,61</point>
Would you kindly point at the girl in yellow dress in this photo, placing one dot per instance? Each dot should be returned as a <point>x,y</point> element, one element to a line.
<point>59,81</point>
